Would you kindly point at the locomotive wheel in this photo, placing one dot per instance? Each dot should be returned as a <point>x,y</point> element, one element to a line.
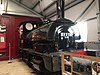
<point>42,68</point>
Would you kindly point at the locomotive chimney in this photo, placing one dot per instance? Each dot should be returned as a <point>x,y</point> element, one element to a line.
<point>60,8</point>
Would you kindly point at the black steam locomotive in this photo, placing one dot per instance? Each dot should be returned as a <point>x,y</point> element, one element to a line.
<point>42,47</point>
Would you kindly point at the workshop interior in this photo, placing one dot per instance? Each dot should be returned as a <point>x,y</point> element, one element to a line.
<point>50,37</point>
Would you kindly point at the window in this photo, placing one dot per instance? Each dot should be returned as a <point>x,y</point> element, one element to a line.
<point>1,39</point>
<point>81,28</point>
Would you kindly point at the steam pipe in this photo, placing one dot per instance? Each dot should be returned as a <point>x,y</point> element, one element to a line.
<point>6,6</point>
<point>60,8</point>
<point>1,1</point>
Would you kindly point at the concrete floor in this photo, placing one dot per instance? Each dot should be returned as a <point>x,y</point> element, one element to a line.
<point>17,67</point>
